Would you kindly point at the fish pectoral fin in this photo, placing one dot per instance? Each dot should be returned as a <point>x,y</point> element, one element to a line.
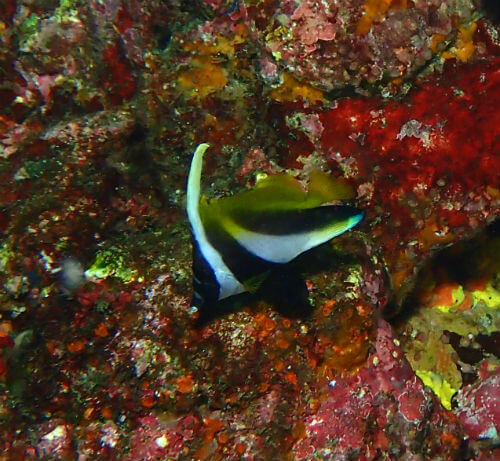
<point>253,284</point>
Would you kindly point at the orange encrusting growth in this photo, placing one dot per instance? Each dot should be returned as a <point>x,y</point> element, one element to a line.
<point>76,346</point>
<point>443,294</point>
<point>467,303</point>
<point>148,401</point>
<point>185,384</point>
<point>267,325</point>
<point>436,40</point>
<point>374,10</point>
<point>212,426</point>
<point>293,90</point>
<point>204,78</point>
<point>101,330</point>
<point>464,49</point>
<point>221,44</point>
<point>429,237</point>
<point>348,348</point>
<point>449,438</point>
<point>207,74</point>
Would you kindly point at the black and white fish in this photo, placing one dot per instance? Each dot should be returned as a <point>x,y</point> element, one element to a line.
<point>239,240</point>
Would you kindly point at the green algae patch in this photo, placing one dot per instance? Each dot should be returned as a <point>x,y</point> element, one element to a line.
<point>112,263</point>
<point>427,344</point>
<point>67,11</point>
<point>457,296</point>
<point>29,27</point>
<point>442,388</point>
<point>434,361</point>
<point>453,327</point>
<point>6,254</point>
<point>490,296</point>
<point>67,5</point>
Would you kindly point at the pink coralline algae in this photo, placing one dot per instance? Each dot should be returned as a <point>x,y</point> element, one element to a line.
<point>154,440</point>
<point>56,441</point>
<point>314,22</point>
<point>383,395</point>
<point>479,406</point>
<point>334,44</point>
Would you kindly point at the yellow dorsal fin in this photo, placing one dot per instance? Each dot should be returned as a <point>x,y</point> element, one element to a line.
<point>278,192</point>
<point>323,188</point>
<point>280,181</point>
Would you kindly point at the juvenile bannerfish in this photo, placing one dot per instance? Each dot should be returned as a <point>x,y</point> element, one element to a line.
<point>238,240</point>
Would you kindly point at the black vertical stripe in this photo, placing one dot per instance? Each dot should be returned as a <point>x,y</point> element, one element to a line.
<point>243,264</point>
<point>205,284</point>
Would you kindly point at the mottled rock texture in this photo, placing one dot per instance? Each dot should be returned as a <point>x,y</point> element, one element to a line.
<point>101,106</point>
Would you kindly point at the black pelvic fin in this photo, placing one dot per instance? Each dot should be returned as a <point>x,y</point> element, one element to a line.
<point>208,312</point>
<point>287,291</point>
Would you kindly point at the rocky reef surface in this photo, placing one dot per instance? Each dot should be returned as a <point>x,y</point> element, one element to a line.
<point>102,103</point>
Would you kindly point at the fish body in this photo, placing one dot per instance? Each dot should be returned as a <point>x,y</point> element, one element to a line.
<point>239,240</point>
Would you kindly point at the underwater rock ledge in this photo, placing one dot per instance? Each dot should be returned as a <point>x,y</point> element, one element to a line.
<point>101,106</point>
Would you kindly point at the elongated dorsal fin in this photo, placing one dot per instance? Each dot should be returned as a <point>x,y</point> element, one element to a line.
<point>228,284</point>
